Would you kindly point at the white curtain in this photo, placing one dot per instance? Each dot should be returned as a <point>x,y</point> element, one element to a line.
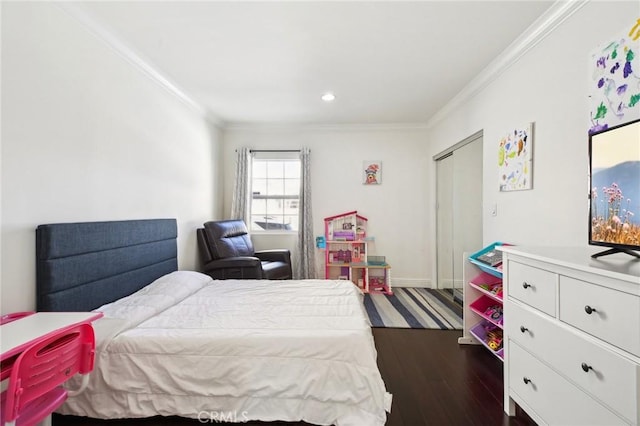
<point>305,264</point>
<point>240,201</point>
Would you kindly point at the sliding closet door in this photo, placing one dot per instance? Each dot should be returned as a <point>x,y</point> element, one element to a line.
<point>459,211</point>
<point>444,221</point>
<point>467,207</point>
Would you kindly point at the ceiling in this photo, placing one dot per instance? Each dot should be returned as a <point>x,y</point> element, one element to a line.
<point>269,62</point>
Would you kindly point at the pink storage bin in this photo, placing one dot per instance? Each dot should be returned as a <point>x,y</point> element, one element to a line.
<point>480,306</point>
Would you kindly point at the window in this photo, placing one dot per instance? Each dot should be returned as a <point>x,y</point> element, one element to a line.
<point>275,191</point>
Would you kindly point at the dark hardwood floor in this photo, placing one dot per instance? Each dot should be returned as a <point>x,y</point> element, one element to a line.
<point>434,381</point>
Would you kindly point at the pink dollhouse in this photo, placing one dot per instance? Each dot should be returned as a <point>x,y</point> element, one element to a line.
<point>346,254</point>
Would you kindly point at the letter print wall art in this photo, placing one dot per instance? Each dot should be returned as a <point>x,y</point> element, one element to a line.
<point>515,159</point>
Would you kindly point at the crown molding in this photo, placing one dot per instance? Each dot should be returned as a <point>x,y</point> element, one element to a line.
<point>538,31</point>
<point>107,36</point>
<point>279,127</point>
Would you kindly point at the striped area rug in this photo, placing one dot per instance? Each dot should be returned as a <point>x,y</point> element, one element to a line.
<point>412,308</point>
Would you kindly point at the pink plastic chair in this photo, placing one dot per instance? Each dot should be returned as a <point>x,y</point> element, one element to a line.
<point>35,387</point>
<point>6,365</point>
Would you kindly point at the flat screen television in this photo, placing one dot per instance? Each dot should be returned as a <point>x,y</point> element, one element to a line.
<point>614,181</point>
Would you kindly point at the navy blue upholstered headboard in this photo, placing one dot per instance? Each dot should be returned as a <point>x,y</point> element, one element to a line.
<point>82,266</point>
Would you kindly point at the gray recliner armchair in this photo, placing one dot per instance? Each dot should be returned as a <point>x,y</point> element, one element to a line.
<point>227,252</point>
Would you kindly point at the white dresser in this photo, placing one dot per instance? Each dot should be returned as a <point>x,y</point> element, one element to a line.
<point>572,336</point>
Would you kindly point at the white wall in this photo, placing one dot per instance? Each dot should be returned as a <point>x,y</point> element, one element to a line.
<point>396,209</point>
<point>547,86</point>
<point>87,136</point>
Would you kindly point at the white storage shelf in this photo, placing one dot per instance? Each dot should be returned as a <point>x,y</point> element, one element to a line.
<point>482,295</point>
<point>482,305</point>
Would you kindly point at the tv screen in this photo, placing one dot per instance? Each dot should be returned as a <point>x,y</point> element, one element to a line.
<point>614,177</point>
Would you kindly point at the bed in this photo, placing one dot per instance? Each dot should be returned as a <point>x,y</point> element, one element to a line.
<point>177,343</point>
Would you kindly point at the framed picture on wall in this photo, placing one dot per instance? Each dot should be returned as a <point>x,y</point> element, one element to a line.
<point>613,88</point>
<point>515,159</point>
<point>372,172</point>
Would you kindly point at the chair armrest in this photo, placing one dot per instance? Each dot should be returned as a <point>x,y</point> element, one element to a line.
<point>233,262</point>
<point>241,267</point>
<point>274,255</point>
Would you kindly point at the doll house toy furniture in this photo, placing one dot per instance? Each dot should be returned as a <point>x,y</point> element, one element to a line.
<point>227,252</point>
<point>347,254</point>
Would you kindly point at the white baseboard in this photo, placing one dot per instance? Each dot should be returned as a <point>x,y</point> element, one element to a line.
<point>410,282</point>
<point>418,282</point>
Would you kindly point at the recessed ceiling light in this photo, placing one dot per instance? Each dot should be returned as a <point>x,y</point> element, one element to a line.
<point>328,97</point>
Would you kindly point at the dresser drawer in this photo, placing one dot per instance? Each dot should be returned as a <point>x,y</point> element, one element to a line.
<point>614,317</point>
<point>530,330</point>
<point>554,399</point>
<point>610,378</point>
<point>533,286</point>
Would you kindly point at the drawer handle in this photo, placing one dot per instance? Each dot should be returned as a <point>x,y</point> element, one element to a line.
<point>523,328</point>
<point>526,380</point>
<point>526,285</point>
<point>589,310</point>
<point>586,367</point>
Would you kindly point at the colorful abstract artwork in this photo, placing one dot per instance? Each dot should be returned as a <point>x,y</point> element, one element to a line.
<point>515,159</point>
<point>614,85</point>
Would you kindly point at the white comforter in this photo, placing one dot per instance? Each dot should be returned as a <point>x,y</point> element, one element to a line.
<point>236,350</point>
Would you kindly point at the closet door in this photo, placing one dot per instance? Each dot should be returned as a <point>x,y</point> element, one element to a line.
<point>458,211</point>
<point>444,222</point>
<point>467,207</point>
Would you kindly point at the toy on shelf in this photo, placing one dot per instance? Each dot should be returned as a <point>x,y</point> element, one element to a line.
<point>376,283</point>
<point>491,258</point>
<point>493,336</point>
<point>495,289</point>
<point>495,313</point>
